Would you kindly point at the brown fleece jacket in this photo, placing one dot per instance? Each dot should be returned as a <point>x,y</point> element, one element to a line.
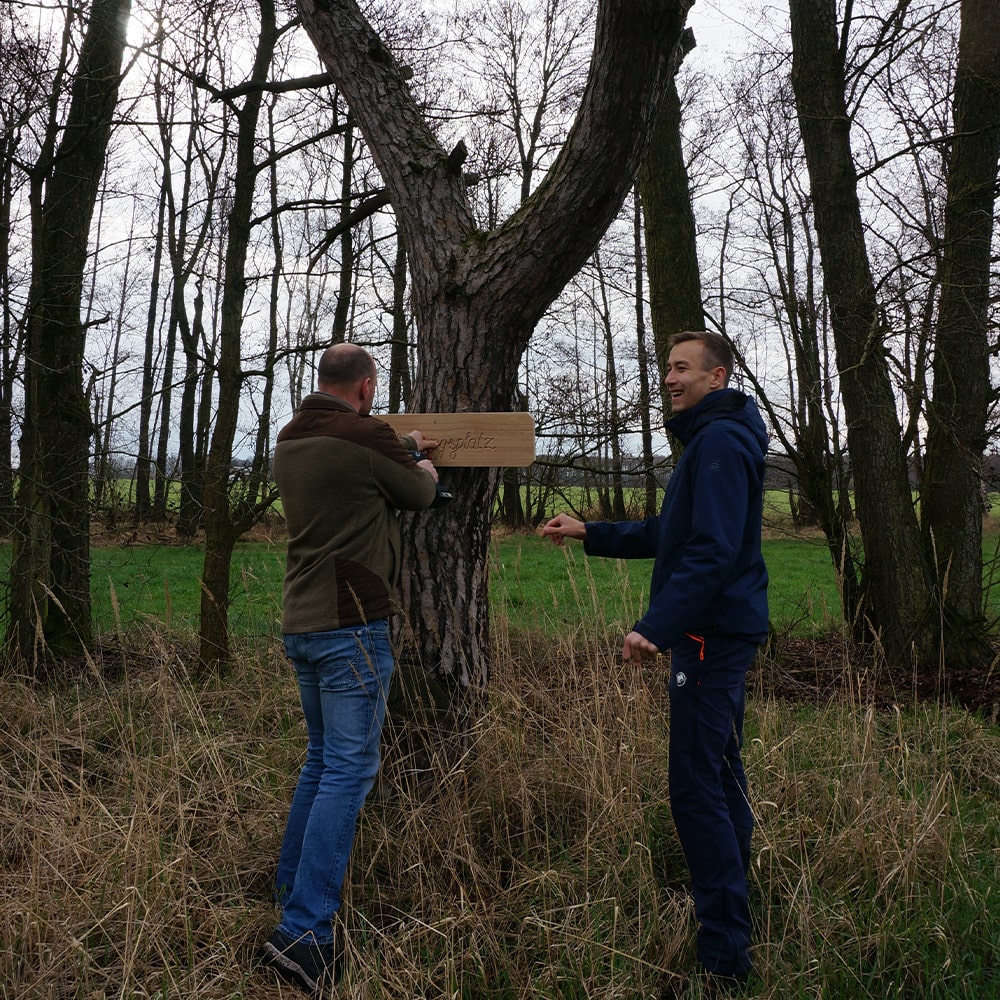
<point>342,476</point>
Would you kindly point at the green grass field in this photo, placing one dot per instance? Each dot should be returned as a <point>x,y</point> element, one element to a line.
<point>534,583</point>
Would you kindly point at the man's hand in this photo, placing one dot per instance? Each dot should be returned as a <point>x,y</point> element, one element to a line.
<point>428,466</point>
<point>637,647</point>
<point>562,526</point>
<point>422,442</point>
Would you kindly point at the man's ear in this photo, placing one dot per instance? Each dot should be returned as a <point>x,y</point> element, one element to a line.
<point>718,377</point>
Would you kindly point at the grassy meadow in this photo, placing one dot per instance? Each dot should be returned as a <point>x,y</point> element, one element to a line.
<point>141,812</point>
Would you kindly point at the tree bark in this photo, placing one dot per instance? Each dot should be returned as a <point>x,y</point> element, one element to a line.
<point>342,313</point>
<point>645,389</point>
<point>477,295</point>
<point>50,608</point>
<point>896,588</point>
<point>952,497</point>
<point>144,452</point>
<point>11,334</point>
<point>399,356</point>
<point>675,300</point>
<point>221,531</point>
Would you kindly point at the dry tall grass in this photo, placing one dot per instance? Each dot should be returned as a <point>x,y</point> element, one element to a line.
<point>140,821</point>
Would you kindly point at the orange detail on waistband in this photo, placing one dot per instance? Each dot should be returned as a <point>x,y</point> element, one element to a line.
<point>700,639</point>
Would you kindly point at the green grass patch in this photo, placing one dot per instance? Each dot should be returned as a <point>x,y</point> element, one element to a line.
<point>537,584</point>
<point>533,583</point>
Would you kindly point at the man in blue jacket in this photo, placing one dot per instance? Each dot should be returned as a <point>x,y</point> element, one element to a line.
<point>708,606</point>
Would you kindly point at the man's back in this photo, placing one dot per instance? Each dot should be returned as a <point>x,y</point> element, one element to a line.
<point>341,476</point>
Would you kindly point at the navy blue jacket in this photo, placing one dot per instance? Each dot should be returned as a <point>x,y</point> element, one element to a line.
<point>709,576</point>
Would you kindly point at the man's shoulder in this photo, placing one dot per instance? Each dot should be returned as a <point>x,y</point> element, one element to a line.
<point>724,441</point>
<point>341,424</point>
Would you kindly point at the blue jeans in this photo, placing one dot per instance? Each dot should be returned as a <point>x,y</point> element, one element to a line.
<point>343,683</point>
<point>708,792</point>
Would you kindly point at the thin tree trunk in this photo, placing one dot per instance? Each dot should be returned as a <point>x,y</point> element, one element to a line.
<point>50,607</point>
<point>650,505</point>
<point>399,357</point>
<point>675,299</point>
<point>345,287</point>
<point>191,470</point>
<point>143,462</point>
<point>897,599</point>
<point>617,491</point>
<point>163,472</point>
<point>11,333</point>
<point>221,531</point>
<point>952,497</point>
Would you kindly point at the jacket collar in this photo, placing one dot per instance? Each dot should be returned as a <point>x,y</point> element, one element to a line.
<point>716,404</point>
<point>325,401</point>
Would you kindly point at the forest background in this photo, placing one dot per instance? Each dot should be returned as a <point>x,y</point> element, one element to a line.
<point>194,208</point>
<point>512,205</point>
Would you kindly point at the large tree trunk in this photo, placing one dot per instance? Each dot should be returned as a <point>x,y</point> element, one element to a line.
<point>770,162</point>
<point>951,499</point>
<point>477,295</point>
<point>50,609</point>
<point>897,598</point>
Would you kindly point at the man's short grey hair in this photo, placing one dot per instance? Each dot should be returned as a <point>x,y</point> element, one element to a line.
<point>345,364</point>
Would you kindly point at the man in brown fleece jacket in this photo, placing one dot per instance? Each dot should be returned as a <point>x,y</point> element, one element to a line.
<point>342,475</point>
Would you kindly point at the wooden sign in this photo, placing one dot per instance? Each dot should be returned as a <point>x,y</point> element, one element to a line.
<point>472,439</point>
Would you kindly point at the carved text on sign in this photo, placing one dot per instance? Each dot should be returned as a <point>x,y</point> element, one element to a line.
<point>494,440</point>
<point>451,446</point>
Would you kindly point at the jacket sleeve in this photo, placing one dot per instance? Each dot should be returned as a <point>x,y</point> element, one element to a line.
<point>397,476</point>
<point>622,539</point>
<point>721,483</point>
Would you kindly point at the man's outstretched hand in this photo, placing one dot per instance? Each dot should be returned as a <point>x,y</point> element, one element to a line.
<point>562,526</point>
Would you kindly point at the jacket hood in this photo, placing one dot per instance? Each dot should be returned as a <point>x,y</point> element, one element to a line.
<point>723,404</point>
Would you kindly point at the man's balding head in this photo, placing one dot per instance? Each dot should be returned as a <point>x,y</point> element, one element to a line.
<point>344,365</point>
<point>348,371</point>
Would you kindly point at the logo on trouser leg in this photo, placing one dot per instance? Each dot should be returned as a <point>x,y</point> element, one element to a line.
<point>680,678</point>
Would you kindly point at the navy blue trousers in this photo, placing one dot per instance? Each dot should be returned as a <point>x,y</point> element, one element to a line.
<point>708,792</point>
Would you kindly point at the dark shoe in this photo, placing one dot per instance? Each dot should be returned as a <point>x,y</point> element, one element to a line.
<point>314,968</point>
<point>675,988</point>
<point>715,986</point>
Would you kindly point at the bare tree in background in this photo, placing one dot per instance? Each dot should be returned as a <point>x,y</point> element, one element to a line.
<point>50,606</point>
<point>222,529</point>
<point>921,584</point>
<point>952,494</point>
<point>21,91</point>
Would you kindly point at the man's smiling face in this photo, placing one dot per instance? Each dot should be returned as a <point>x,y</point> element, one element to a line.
<point>688,380</point>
